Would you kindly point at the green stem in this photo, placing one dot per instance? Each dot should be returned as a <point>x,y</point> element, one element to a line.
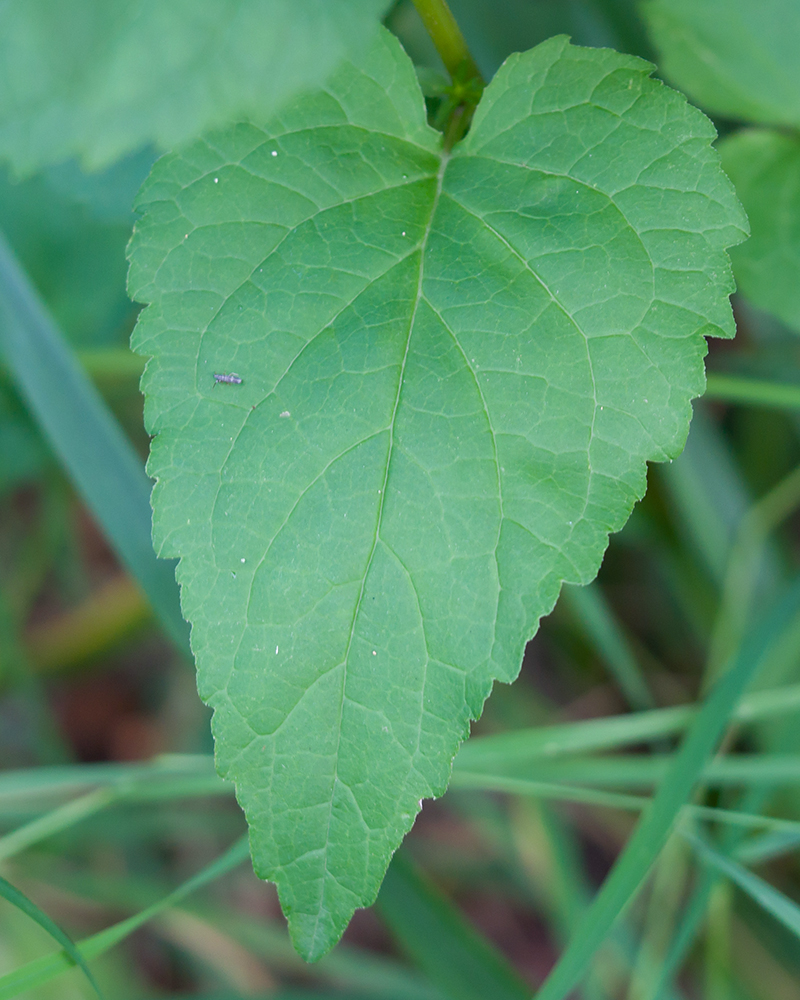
<point>446,34</point>
<point>462,96</point>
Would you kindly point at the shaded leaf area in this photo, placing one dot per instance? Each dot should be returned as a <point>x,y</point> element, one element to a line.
<point>96,79</point>
<point>765,167</point>
<point>734,57</point>
<point>453,372</point>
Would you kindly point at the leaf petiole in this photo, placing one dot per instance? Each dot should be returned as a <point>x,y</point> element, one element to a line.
<point>461,98</point>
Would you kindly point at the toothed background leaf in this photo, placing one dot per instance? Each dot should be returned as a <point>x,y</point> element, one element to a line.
<point>454,372</point>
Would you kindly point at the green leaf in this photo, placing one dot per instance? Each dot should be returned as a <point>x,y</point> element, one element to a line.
<point>734,57</point>
<point>454,369</point>
<point>765,167</point>
<point>96,80</point>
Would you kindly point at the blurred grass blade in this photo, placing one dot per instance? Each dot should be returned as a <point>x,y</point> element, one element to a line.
<point>439,941</point>
<point>780,906</point>
<point>620,800</point>
<point>589,606</point>
<point>691,920</point>
<point>549,790</point>
<point>768,845</point>
<point>42,970</point>
<point>86,438</point>
<point>736,389</point>
<point>707,492</point>
<point>28,907</point>
<point>653,830</point>
<point>743,571</point>
<point>59,819</point>
<point>162,777</point>
<point>760,848</point>
<point>644,771</point>
<point>494,752</point>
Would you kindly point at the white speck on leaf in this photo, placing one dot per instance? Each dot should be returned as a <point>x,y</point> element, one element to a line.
<point>242,559</point>
<point>276,650</point>
<point>374,652</point>
<point>216,180</point>
<point>286,413</point>
<point>274,152</point>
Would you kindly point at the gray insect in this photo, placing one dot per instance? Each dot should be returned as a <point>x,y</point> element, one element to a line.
<point>232,379</point>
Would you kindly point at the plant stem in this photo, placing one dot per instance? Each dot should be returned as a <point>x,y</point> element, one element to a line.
<point>446,34</point>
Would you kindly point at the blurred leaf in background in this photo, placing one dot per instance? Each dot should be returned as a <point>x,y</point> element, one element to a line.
<point>96,80</point>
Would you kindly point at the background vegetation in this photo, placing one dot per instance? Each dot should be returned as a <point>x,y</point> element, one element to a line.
<point>495,877</point>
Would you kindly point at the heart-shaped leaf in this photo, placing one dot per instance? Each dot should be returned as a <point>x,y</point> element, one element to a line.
<point>453,370</point>
<point>96,79</point>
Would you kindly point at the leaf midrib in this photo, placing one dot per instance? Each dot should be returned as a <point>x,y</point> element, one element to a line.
<point>445,157</point>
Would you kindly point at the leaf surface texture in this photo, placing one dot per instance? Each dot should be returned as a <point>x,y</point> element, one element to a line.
<point>454,369</point>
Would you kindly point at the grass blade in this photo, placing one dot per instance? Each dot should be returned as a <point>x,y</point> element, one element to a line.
<point>780,906</point>
<point>59,819</point>
<point>28,907</point>
<point>644,771</point>
<point>768,845</point>
<point>757,392</point>
<point>590,608</point>
<point>42,970</point>
<point>653,830</point>
<point>28,786</point>
<point>525,745</point>
<point>619,800</point>
<point>436,937</point>
<point>98,457</point>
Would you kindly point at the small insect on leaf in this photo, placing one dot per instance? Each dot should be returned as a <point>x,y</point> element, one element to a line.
<point>232,379</point>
